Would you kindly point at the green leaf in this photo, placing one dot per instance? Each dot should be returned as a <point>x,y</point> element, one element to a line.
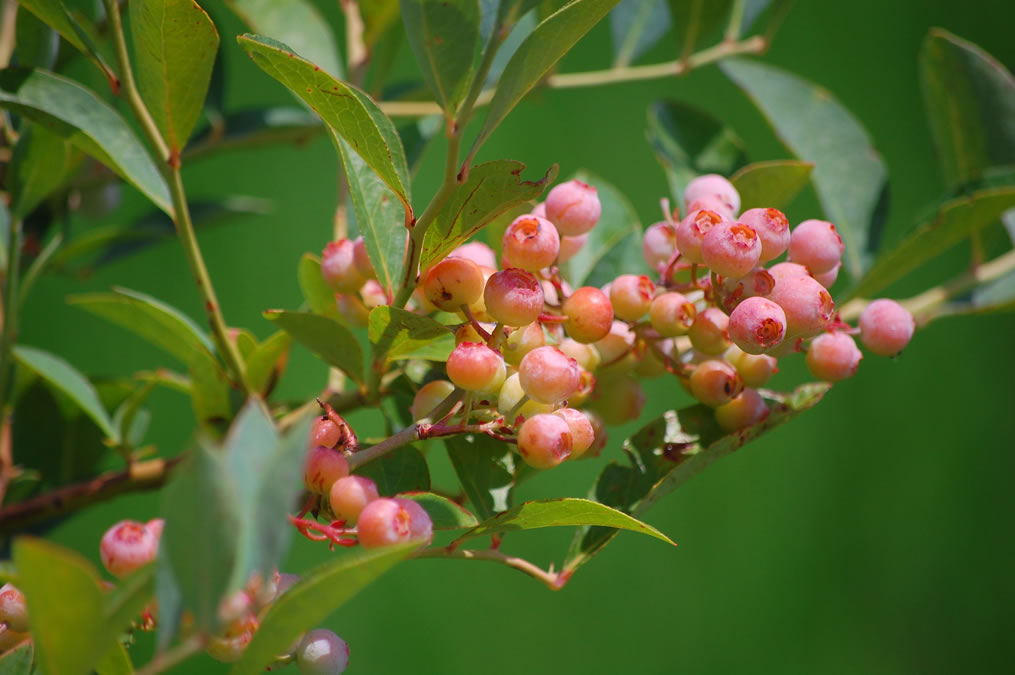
<point>618,221</point>
<point>688,142</point>
<point>55,15</point>
<point>771,184</point>
<point>667,452</point>
<point>956,220</point>
<point>315,291</point>
<point>79,116</point>
<point>379,215</point>
<point>18,661</point>
<point>175,43</point>
<point>970,101</point>
<point>115,662</point>
<point>41,163</point>
<point>551,39</point>
<point>403,470</point>
<point>378,16</point>
<point>567,512</point>
<point>201,535</point>
<point>64,602</point>
<point>36,45</point>
<point>65,378</point>
<point>848,176</point>
<point>294,22</point>
<point>255,128</point>
<point>209,393</point>
<point>696,20</point>
<point>490,190</point>
<point>635,26</point>
<point>347,110</point>
<point>485,469</point>
<point>445,39</point>
<point>130,597</point>
<point>150,319</point>
<point>445,514</point>
<point>398,334</point>
<point>997,296</point>
<point>5,228</point>
<point>325,337</point>
<point>311,600</point>
<point>262,362</point>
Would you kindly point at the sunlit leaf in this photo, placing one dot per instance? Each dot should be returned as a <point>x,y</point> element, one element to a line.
<point>445,39</point>
<point>399,334</point>
<point>297,23</point>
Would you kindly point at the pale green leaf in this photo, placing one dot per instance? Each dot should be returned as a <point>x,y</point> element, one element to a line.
<point>297,23</point>
<point>771,184</point>
<point>325,337</point>
<point>398,334</point>
<point>445,39</point>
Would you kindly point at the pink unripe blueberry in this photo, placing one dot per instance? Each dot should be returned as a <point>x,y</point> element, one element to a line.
<point>384,522</point>
<point>544,441</point>
<point>477,252</point>
<point>631,295</point>
<point>428,396</point>
<point>548,375</point>
<point>672,314</point>
<point>539,210</point>
<point>886,327</point>
<point>324,432</point>
<point>816,245</point>
<point>827,279</point>
<point>453,282</point>
<point>531,243</point>
<point>710,331</point>
<point>602,435</point>
<point>338,267</point>
<point>127,546</point>
<point>473,366</point>
<point>746,409</point>
<point>772,228</point>
<point>691,232</point>
<point>832,357</point>
<point>513,297</point>
<point>322,652</point>
<point>658,245</point>
<point>13,611</point>
<point>731,249</point>
<point>755,369</point>
<point>569,247</point>
<point>618,343</point>
<point>807,304</point>
<point>787,270</point>
<point>324,466</point>
<point>711,203</point>
<point>586,355</point>
<point>373,294</point>
<point>757,324</point>
<point>521,341</point>
<point>362,260</point>
<point>573,207</point>
<point>350,494</point>
<point>589,314</point>
<point>156,525</point>
<point>713,185</point>
<point>478,308</point>
<point>757,282</point>
<point>715,383</point>
<point>586,385</point>
<point>510,394</point>
<point>618,399</point>
<point>582,433</point>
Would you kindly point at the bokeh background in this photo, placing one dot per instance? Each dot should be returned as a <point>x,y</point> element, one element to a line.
<point>872,535</point>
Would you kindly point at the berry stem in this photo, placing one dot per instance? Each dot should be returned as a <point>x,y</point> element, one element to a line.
<point>553,580</point>
<point>476,325</point>
<point>736,20</point>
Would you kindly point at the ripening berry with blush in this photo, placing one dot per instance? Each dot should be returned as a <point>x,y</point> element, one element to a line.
<point>757,325</point>
<point>586,385</point>
<point>9,639</point>
<point>323,467</point>
<point>756,283</point>
<point>586,355</point>
<point>510,394</point>
<point>886,327</point>
<point>373,294</point>
<point>631,295</point>
<point>384,522</point>
<point>127,546</point>
<point>13,611</point>
<point>616,348</point>
<point>816,245</point>
<point>731,249</point>
<point>618,399</point>
<point>711,203</point>
<point>569,247</point>
<point>544,441</point>
<point>548,375</point>
<point>710,331</point>
<point>746,409</point>
<point>324,432</point>
<point>156,525</point>
<point>601,435</point>
<point>589,314</point>
<point>478,308</point>
<point>691,233</point>
<point>755,369</point>
<point>531,243</point>
<point>350,494</point>
<point>787,270</point>
<point>322,652</point>
<point>362,260</point>
<point>658,245</point>
<point>582,433</point>
<point>827,279</point>
<point>513,297</point>
<point>539,210</point>
<point>573,207</point>
<point>228,648</point>
<point>473,366</point>
<point>807,304</point>
<point>715,383</point>
<point>772,227</point>
<point>477,252</point>
<point>453,282</point>
<point>521,341</point>
<point>713,185</point>
<point>672,314</point>
<point>833,356</point>
<point>428,397</point>
<point>338,267</point>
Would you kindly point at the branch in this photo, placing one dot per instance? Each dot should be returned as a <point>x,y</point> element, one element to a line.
<point>553,580</point>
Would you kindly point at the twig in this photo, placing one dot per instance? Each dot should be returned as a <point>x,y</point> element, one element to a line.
<point>553,580</point>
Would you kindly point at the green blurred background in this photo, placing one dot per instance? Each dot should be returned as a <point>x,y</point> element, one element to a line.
<point>872,535</point>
